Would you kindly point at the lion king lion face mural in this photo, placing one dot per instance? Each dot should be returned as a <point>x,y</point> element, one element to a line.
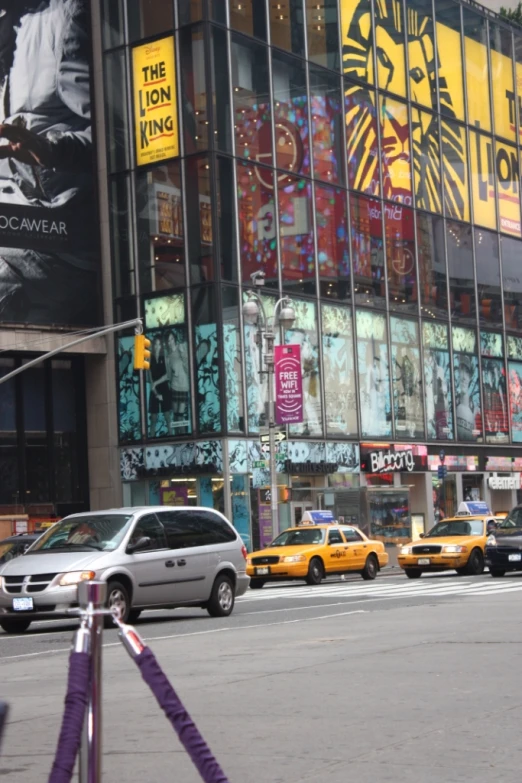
<point>375,54</point>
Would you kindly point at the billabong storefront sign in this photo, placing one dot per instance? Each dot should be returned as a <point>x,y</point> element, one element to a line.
<point>504,482</point>
<point>390,461</point>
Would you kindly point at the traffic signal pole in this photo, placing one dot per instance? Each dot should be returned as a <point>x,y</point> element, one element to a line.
<point>136,322</point>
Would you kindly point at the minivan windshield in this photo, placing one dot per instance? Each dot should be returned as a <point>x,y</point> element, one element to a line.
<point>513,520</point>
<point>453,527</point>
<point>103,532</point>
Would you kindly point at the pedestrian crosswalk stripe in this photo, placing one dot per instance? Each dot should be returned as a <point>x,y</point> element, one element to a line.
<point>386,590</point>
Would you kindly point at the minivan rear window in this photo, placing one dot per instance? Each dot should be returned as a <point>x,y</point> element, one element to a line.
<point>103,532</point>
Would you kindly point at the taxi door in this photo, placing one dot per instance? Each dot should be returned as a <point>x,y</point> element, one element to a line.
<point>337,556</point>
<point>357,548</point>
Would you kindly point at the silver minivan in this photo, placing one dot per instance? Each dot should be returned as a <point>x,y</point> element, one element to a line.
<point>151,557</point>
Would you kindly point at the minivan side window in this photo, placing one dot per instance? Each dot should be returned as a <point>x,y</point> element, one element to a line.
<point>150,526</point>
<point>217,530</point>
<point>194,528</point>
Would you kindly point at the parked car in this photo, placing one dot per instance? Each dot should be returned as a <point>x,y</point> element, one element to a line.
<point>504,545</point>
<point>456,543</point>
<point>13,546</point>
<point>315,551</point>
<point>150,557</point>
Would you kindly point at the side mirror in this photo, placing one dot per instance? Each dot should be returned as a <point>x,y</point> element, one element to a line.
<point>421,535</point>
<point>139,545</point>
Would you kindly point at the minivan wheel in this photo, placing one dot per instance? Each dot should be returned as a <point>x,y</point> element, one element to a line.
<point>496,572</point>
<point>222,598</point>
<point>118,598</point>
<point>12,625</point>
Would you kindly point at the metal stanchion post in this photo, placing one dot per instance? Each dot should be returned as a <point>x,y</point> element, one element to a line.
<point>92,597</point>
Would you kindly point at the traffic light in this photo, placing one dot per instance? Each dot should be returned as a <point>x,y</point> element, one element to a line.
<point>141,352</point>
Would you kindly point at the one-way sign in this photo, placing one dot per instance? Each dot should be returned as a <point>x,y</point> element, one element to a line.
<point>278,437</point>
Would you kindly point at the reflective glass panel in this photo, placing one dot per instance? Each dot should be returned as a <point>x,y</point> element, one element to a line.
<point>206,344</point>
<point>511,252</point>
<point>437,381</point>
<point>290,114</point>
<point>461,274</point>
<point>257,222</point>
<point>250,95</point>
<point>408,406</point>
<point>333,253</point>
<point>432,265</point>
<point>296,234</point>
<point>327,130</point>
<point>403,292</point>
<point>339,373</point>
<point>477,71</point>
<point>322,26</point>
<point>367,251</point>
<point>426,160</point>
<point>361,139</point>
<point>449,59</point>
<point>287,25</point>
<point>455,170</point>
<point>304,334</point>
<point>467,385</point>
<point>374,377</point>
<point>395,150</point>
<point>488,277</point>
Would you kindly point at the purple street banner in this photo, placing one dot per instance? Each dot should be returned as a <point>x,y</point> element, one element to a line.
<point>288,384</point>
<point>265,525</point>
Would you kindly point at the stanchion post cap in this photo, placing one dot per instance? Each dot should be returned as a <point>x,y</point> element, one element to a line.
<point>92,593</point>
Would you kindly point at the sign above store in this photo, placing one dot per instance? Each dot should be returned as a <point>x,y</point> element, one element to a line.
<point>155,101</point>
<point>390,461</point>
<point>505,482</point>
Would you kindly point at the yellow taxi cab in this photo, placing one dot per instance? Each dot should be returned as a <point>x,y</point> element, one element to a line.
<point>456,543</point>
<point>311,552</point>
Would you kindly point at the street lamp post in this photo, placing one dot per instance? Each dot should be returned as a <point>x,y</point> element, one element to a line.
<point>251,310</point>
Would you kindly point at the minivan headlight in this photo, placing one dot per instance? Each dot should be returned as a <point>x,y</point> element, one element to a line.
<point>75,577</point>
<point>491,541</point>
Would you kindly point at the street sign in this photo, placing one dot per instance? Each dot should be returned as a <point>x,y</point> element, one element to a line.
<point>442,456</point>
<point>265,448</point>
<point>442,471</point>
<point>278,437</point>
<point>261,463</point>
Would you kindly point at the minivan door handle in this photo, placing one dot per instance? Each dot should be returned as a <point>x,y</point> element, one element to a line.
<point>182,562</point>
<point>170,563</point>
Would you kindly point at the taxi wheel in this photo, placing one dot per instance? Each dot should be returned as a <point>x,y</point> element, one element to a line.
<point>315,572</point>
<point>257,584</point>
<point>475,564</point>
<point>412,573</point>
<point>371,568</point>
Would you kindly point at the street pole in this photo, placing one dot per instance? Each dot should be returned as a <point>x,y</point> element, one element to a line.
<point>91,598</point>
<point>269,364</point>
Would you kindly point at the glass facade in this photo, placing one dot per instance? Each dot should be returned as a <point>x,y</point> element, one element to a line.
<point>365,157</point>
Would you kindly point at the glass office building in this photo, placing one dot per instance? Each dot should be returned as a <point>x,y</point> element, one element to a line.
<point>365,155</point>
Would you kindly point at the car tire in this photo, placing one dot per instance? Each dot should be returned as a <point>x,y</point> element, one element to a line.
<point>134,615</point>
<point>412,573</point>
<point>462,571</point>
<point>495,572</point>
<point>315,572</point>
<point>257,584</point>
<point>117,595</point>
<point>475,564</point>
<point>13,625</point>
<point>371,568</point>
<point>222,597</point>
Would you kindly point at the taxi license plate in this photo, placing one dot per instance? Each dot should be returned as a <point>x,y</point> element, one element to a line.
<point>262,571</point>
<point>22,604</point>
<point>515,558</point>
<point>423,561</point>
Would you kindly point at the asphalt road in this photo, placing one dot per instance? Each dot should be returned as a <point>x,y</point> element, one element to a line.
<point>384,681</point>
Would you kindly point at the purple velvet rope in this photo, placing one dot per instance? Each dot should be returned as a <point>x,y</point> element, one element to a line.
<point>181,721</point>
<point>73,717</point>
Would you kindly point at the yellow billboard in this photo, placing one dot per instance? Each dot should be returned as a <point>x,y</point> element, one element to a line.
<point>441,166</point>
<point>155,101</point>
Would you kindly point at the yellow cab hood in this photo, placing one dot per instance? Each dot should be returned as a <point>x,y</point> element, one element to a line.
<point>448,540</point>
<point>284,551</point>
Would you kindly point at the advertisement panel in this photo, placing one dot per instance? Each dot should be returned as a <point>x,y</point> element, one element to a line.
<point>155,101</point>
<point>494,168</point>
<point>48,219</point>
<point>437,381</point>
<point>288,384</point>
<point>374,374</point>
<point>515,400</point>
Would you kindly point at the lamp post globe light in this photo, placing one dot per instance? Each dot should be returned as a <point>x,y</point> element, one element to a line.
<point>252,308</point>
